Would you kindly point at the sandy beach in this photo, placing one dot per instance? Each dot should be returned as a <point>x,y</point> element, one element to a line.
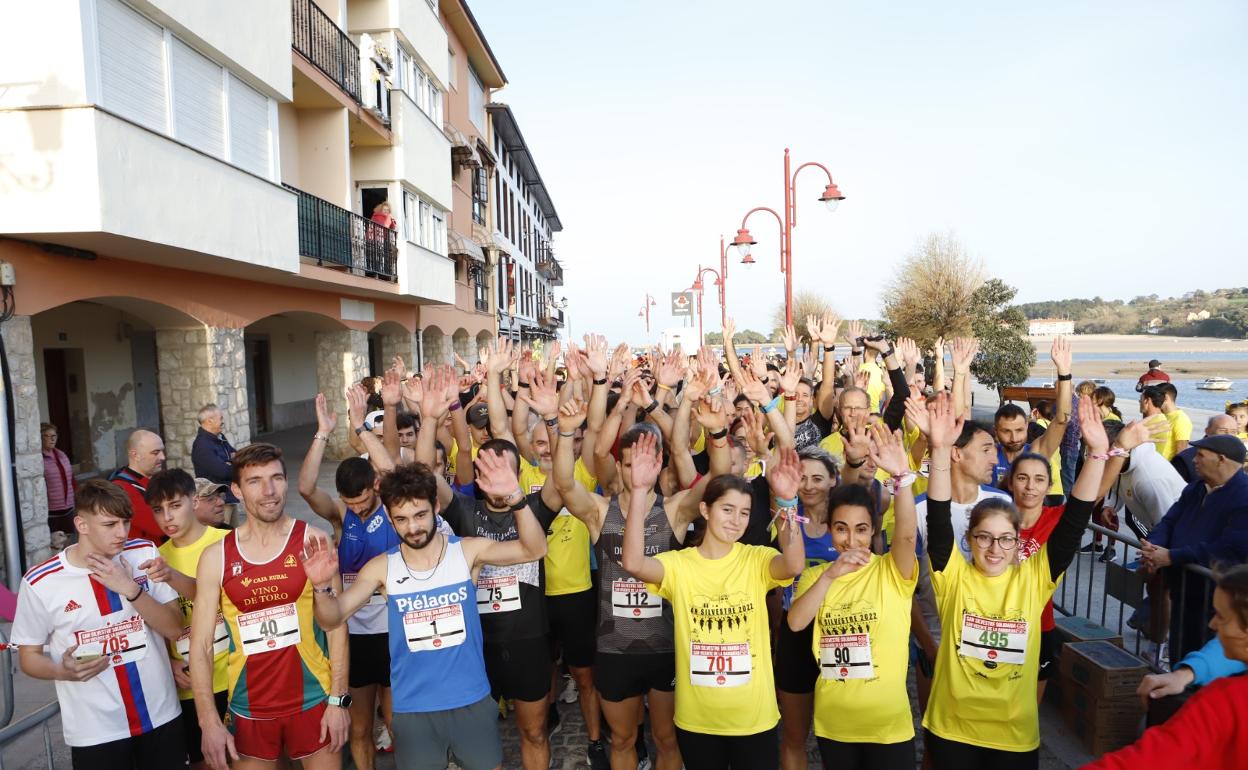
<point>1147,347</point>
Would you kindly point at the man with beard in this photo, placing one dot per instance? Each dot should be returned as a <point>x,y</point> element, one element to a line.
<point>362,532</point>
<point>437,666</point>
<point>510,598</point>
<point>287,677</point>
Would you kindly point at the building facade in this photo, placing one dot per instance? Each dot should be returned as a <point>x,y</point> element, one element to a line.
<point>525,224</point>
<point>194,209</point>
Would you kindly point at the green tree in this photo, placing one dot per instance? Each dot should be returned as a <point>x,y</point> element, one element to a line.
<point>714,338</point>
<point>1005,354</point>
<point>749,337</point>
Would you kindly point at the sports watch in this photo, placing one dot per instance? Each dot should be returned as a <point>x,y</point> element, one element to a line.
<point>341,701</point>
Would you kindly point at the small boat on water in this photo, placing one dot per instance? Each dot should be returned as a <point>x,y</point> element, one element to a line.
<point>1214,383</point>
<point>1100,380</point>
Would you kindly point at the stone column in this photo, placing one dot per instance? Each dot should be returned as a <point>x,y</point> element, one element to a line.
<point>404,345</point>
<point>205,365</point>
<point>32,492</point>
<point>341,359</point>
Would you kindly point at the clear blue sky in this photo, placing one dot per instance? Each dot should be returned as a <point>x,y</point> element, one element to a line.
<point>1078,149</point>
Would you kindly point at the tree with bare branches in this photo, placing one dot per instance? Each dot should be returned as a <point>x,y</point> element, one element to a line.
<point>933,293</point>
<point>806,303</point>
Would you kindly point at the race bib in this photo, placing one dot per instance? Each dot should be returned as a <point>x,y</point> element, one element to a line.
<point>269,629</point>
<point>630,599</point>
<point>996,641</point>
<point>498,594</point>
<point>220,640</point>
<point>348,580</point>
<point>434,629</point>
<point>719,665</point>
<point>847,656</point>
<point>122,642</point>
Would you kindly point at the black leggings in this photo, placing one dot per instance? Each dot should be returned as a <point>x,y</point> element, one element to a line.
<point>953,755</point>
<point>760,751</point>
<point>866,756</point>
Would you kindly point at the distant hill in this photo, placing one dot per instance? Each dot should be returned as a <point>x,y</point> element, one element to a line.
<point>1220,313</point>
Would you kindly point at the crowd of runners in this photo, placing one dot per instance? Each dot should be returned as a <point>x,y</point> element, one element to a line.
<point>724,551</point>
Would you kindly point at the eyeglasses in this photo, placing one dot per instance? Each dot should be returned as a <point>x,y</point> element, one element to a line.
<point>985,541</point>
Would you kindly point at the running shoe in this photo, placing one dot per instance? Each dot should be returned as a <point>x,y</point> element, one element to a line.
<point>570,693</point>
<point>381,738</point>
<point>552,721</point>
<point>596,756</point>
<point>1107,556</point>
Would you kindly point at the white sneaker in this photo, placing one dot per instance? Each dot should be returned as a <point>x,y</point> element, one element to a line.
<point>570,693</point>
<point>381,737</point>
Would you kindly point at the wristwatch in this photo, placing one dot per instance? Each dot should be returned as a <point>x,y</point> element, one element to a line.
<point>361,429</point>
<point>341,701</point>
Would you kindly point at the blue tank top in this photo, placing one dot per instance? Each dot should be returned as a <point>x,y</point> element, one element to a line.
<point>362,540</point>
<point>434,629</point>
<point>819,550</point>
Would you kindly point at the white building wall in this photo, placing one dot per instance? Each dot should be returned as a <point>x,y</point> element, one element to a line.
<point>421,28</point>
<point>424,157</point>
<point>44,61</point>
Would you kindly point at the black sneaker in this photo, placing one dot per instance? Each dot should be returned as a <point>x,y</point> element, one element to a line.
<point>596,756</point>
<point>552,721</point>
<point>1092,547</point>
<point>1108,556</point>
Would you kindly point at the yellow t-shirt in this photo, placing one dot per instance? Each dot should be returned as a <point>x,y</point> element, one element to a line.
<point>834,445</point>
<point>876,385</point>
<point>724,681</point>
<point>567,540</point>
<point>1161,433</point>
<point>860,695</point>
<point>984,691</point>
<point>452,455</point>
<point>755,469</point>
<point>186,561</point>
<point>1180,426</point>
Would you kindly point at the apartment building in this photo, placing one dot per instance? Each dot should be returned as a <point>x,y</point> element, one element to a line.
<point>192,205</point>
<point>525,224</point>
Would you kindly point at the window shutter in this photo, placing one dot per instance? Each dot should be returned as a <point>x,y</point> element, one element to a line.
<point>132,65</point>
<point>249,129</point>
<point>198,103</point>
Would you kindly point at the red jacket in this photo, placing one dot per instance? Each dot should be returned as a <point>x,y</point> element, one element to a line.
<point>143,525</point>
<point>1210,732</point>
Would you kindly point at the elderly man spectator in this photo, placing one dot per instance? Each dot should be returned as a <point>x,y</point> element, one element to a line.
<point>1154,376</point>
<point>1185,462</point>
<point>211,453</point>
<point>209,503</point>
<point>58,474</point>
<point>1207,526</point>
<point>145,454</point>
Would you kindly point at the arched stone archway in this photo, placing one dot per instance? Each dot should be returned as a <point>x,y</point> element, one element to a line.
<point>435,346</point>
<point>484,339</point>
<point>462,344</point>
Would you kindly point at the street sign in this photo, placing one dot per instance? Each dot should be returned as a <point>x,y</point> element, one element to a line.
<point>682,303</point>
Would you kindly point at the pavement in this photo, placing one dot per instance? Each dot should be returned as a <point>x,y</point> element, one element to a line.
<point>1060,751</point>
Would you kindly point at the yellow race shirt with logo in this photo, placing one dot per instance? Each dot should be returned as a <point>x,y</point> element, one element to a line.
<point>452,456</point>
<point>978,695</point>
<point>186,561</point>
<point>863,653</point>
<point>567,540</point>
<point>724,681</point>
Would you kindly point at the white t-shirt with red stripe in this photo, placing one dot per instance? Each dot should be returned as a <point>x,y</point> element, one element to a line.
<point>59,605</point>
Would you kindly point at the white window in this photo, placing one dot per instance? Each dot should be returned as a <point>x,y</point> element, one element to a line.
<point>132,66</point>
<point>426,225</point>
<point>476,99</point>
<point>402,75</point>
<point>409,216</point>
<point>198,100</point>
<point>434,107</point>
<point>439,232</point>
<point>250,137</point>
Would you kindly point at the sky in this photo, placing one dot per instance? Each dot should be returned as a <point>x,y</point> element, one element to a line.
<point>1077,149</point>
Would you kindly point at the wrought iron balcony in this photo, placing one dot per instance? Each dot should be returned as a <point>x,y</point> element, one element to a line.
<point>339,238</point>
<point>552,317</point>
<point>323,43</point>
<point>550,268</point>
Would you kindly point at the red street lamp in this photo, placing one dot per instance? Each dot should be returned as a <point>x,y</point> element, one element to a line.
<point>721,276</point>
<point>645,311</point>
<point>831,198</point>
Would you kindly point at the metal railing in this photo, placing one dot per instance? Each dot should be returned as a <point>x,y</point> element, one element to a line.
<point>334,236</point>
<point>550,268</point>
<point>323,43</point>
<point>1119,596</point>
<point>40,717</point>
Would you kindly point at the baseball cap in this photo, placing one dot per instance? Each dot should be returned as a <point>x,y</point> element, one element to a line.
<point>479,416</point>
<point>373,418</point>
<point>1153,364</point>
<point>1230,447</point>
<point>206,488</point>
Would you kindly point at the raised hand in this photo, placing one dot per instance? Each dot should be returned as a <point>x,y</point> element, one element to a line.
<point>498,357</point>
<point>326,418</point>
<point>850,560</point>
<point>646,463</point>
<point>542,396</point>
<point>790,339</point>
<point>596,354</point>
<point>357,403</point>
<point>413,390</point>
<point>320,561</point>
<point>853,330</point>
<point>908,350</point>
<point>964,351</point>
<point>756,434</point>
<point>1061,355</point>
<point>888,451</point>
<point>1093,430</point>
<point>552,355</point>
<point>758,363</point>
<point>786,475</point>
<point>671,368</point>
<point>621,361</point>
<point>943,428</point>
<point>916,412</point>
<point>572,415</point>
<point>857,439</point>
<point>711,415</point>
<point>462,363</point>
<point>729,330</point>
<point>1132,434</point>
<point>496,474</point>
<point>792,375</point>
<point>392,387</point>
<point>439,392</point>
<point>862,378</point>
<point>526,367</point>
<point>754,388</point>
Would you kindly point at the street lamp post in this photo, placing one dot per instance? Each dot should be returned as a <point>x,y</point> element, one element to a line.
<point>645,311</point>
<point>721,276</point>
<point>831,197</point>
